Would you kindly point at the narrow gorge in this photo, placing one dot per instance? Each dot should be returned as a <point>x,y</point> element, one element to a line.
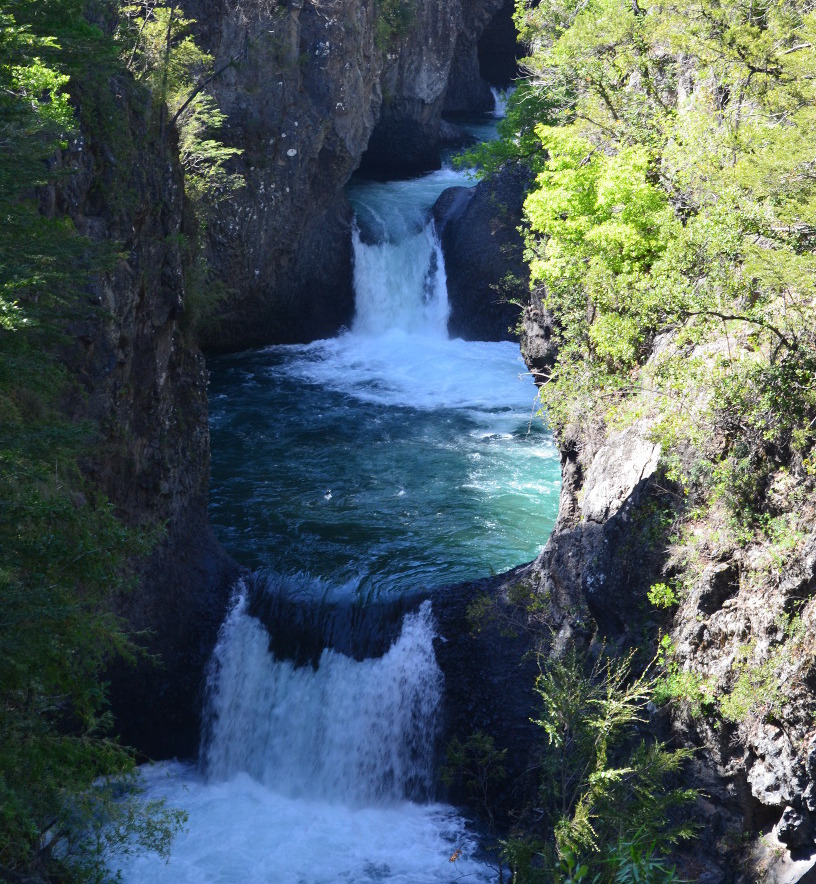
<point>316,391</point>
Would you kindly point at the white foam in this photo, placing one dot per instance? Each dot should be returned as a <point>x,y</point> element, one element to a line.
<point>401,286</point>
<point>307,772</point>
<point>390,211</point>
<point>500,99</point>
<point>349,731</point>
<point>421,371</point>
<point>242,832</point>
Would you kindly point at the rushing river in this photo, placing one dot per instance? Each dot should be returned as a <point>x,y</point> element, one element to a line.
<point>386,460</point>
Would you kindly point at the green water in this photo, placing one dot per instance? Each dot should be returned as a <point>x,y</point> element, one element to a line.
<point>366,479</point>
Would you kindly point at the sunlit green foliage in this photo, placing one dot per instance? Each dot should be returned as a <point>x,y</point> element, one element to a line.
<point>526,108</point>
<point>672,232</point>
<point>678,196</point>
<point>606,794</point>
<point>162,52</point>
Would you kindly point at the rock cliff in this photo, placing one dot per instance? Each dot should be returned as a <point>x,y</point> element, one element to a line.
<point>741,636</point>
<point>739,640</point>
<point>312,89</point>
<point>142,385</point>
<point>488,280</point>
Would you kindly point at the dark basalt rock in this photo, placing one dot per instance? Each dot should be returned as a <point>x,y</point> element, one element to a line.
<point>499,49</point>
<point>468,88</point>
<point>405,142</point>
<point>484,255</point>
<point>301,103</point>
<point>489,678</point>
<point>795,829</point>
<point>141,384</point>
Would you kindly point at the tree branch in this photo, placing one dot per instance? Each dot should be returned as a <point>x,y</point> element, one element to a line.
<point>206,82</point>
<point>791,345</point>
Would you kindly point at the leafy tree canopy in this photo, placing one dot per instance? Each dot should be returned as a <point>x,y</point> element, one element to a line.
<point>676,193</point>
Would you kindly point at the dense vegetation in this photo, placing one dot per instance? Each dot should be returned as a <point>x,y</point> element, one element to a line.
<point>671,231</point>
<point>68,799</point>
<point>672,225</point>
<point>609,801</point>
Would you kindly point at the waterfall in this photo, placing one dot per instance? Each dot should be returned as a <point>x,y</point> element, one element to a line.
<point>358,732</point>
<point>375,465</point>
<point>400,285</point>
<point>500,97</point>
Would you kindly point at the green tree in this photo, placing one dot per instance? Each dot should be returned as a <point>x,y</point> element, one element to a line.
<point>607,794</point>
<point>68,797</point>
<point>677,197</point>
<point>162,51</point>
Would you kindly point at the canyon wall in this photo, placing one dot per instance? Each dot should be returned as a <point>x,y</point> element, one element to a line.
<point>312,90</point>
<point>140,382</point>
<point>739,636</point>
<point>488,279</point>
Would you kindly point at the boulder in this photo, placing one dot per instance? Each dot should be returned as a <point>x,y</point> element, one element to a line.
<point>488,280</point>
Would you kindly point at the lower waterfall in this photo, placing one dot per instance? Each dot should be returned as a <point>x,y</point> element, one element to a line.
<point>359,732</point>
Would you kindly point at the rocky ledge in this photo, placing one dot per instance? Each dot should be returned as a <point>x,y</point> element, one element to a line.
<point>743,632</point>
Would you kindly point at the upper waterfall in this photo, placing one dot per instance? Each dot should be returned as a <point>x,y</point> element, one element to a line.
<point>401,285</point>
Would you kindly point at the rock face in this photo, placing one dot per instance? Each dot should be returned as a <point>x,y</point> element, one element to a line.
<point>312,94</point>
<point>498,49</point>
<point>537,344</point>
<point>484,55</point>
<point>755,763</point>
<point>488,280</point>
<point>588,580</point>
<point>489,677</point>
<point>414,78</point>
<point>301,100</point>
<point>144,387</point>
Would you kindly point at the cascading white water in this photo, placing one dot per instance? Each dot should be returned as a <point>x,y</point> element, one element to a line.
<point>400,285</point>
<point>357,732</point>
<point>317,775</point>
<point>500,97</point>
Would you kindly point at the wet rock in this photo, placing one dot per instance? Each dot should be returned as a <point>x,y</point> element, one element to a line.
<point>489,678</point>
<point>488,280</point>
<point>452,135</point>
